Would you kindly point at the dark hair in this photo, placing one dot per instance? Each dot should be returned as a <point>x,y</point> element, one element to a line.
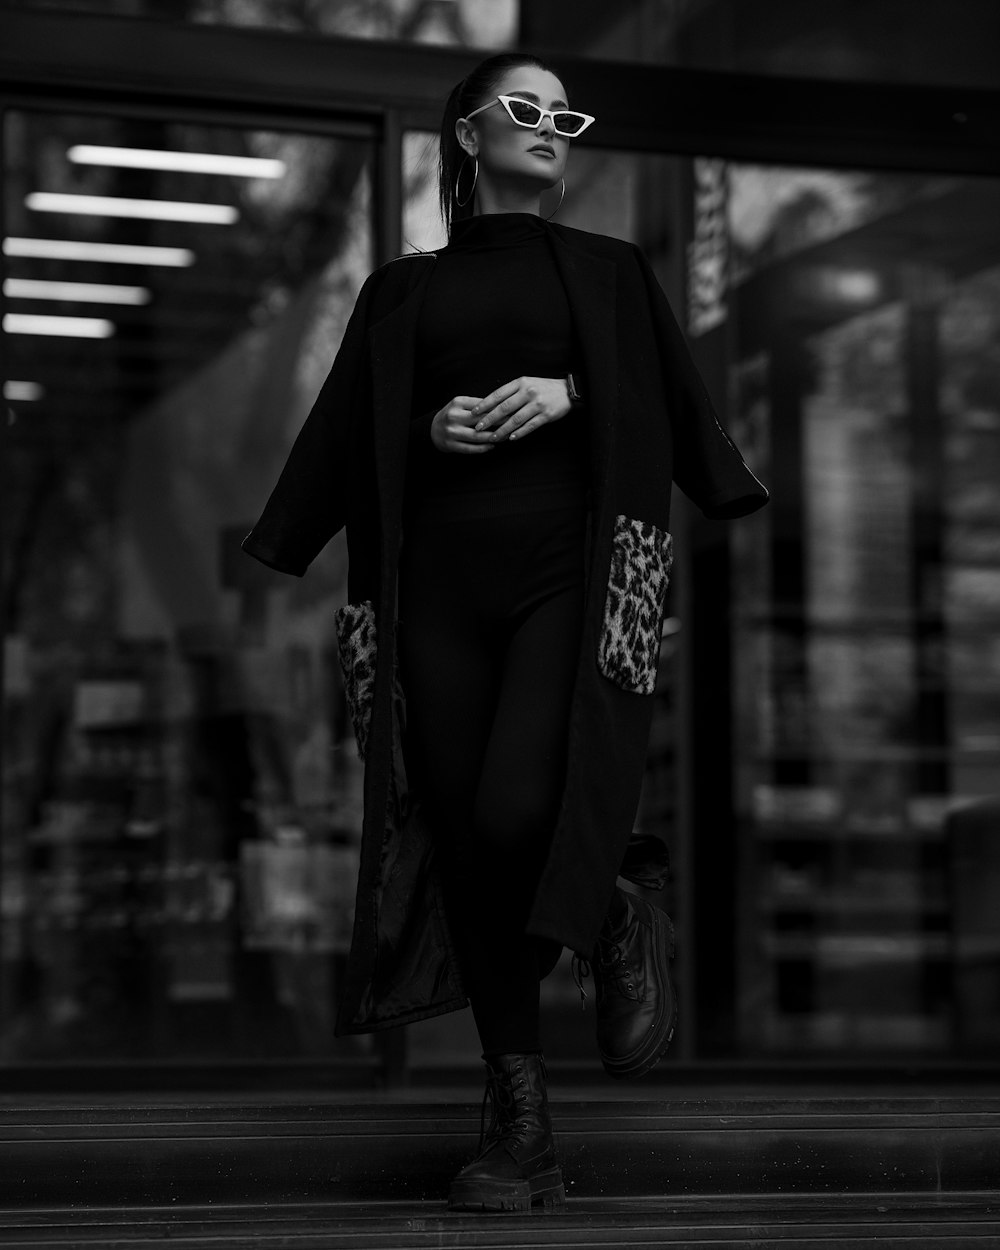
<point>465,96</point>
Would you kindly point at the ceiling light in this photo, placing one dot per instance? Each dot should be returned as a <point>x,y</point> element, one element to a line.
<point>839,284</point>
<point>114,206</point>
<point>105,253</point>
<point>179,162</point>
<point>58,327</point>
<point>22,391</point>
<point>88,292</point>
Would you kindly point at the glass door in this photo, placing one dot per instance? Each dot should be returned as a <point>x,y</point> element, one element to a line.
<point>861,327</point>
<point>181,793</point>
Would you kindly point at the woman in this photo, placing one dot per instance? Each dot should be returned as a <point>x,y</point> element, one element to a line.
<point>498,433</point>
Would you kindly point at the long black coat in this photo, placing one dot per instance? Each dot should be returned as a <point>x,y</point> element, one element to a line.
<point>651,423</point>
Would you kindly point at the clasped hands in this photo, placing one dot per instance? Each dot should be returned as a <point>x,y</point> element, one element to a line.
<point>472,426</point>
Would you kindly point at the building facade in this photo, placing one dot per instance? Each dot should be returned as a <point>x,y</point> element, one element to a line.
<point>193,194</point>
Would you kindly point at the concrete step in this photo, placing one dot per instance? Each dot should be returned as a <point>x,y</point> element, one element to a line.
<point>793,1222</point>
<point>232,1152</point>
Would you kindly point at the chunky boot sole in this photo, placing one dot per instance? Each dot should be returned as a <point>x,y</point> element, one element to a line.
<point>545,1190</point>
<point>657,1041</point>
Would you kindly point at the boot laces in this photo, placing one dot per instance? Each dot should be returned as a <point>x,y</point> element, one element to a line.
<point>502,1096</point>
<point>581,970</point>
<point>613,959</point>
<point>500,1100</point>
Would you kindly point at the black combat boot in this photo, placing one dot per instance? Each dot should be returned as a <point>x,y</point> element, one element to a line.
<point>636,1004</point>
<point>516,1164</point>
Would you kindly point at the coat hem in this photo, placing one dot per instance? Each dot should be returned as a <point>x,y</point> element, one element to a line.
<point>726,508</point>
<point>265,557</point>
<point>409,1017</point>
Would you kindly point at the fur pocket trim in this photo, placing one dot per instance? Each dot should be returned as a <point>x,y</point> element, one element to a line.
<point>629,649</point>
<point>358,650</point>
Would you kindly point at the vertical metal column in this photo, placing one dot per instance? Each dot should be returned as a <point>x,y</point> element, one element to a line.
<point>926,288</point>
<point>4,373</point>
<point>388,190</point>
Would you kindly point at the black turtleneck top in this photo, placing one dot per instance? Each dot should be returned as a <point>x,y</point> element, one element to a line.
<point>494,310</point>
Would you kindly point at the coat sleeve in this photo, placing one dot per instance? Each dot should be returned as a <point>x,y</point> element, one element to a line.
<point>708,466</point>
<point>309,502</point>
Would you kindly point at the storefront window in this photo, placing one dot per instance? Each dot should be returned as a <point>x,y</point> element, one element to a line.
<point>181,794</point>
<point>861,318</point>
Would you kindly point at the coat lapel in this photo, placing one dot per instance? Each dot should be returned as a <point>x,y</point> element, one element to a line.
<point>391,350</point>
<point>591,287</point>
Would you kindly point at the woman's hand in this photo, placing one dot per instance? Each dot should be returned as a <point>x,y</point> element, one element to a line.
<point>452,428</point>
<point>526,404</point>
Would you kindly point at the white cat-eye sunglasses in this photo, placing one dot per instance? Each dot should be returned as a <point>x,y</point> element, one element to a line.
<point>524,113</point>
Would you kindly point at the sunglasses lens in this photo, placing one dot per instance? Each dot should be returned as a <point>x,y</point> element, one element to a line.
<point>569,123</point>
<point>524,112</point>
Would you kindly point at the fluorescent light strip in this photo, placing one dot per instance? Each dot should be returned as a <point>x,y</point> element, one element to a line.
<point>22,391</point>
<point>114,206</point>
<point>58,327</point>
<point>178,162</point>
<point>105,253</point>
<point>86,292</point>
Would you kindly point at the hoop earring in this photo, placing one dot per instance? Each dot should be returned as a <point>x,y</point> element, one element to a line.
<point>562,196</point>
<point>475,179</point>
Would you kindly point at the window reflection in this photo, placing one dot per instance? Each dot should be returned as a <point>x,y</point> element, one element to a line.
<point>181,793</point>
<point>869,687</point>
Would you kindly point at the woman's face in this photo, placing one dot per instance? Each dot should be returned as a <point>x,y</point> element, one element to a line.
<point>515,153</point>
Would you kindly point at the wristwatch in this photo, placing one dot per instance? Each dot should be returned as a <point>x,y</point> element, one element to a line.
<point>574,395</point>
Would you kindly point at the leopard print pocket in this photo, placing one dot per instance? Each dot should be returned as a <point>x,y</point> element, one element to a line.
<point>629,648</point>
<point>357,647</point>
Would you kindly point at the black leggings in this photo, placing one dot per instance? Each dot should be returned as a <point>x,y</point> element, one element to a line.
<point>490,613</point>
